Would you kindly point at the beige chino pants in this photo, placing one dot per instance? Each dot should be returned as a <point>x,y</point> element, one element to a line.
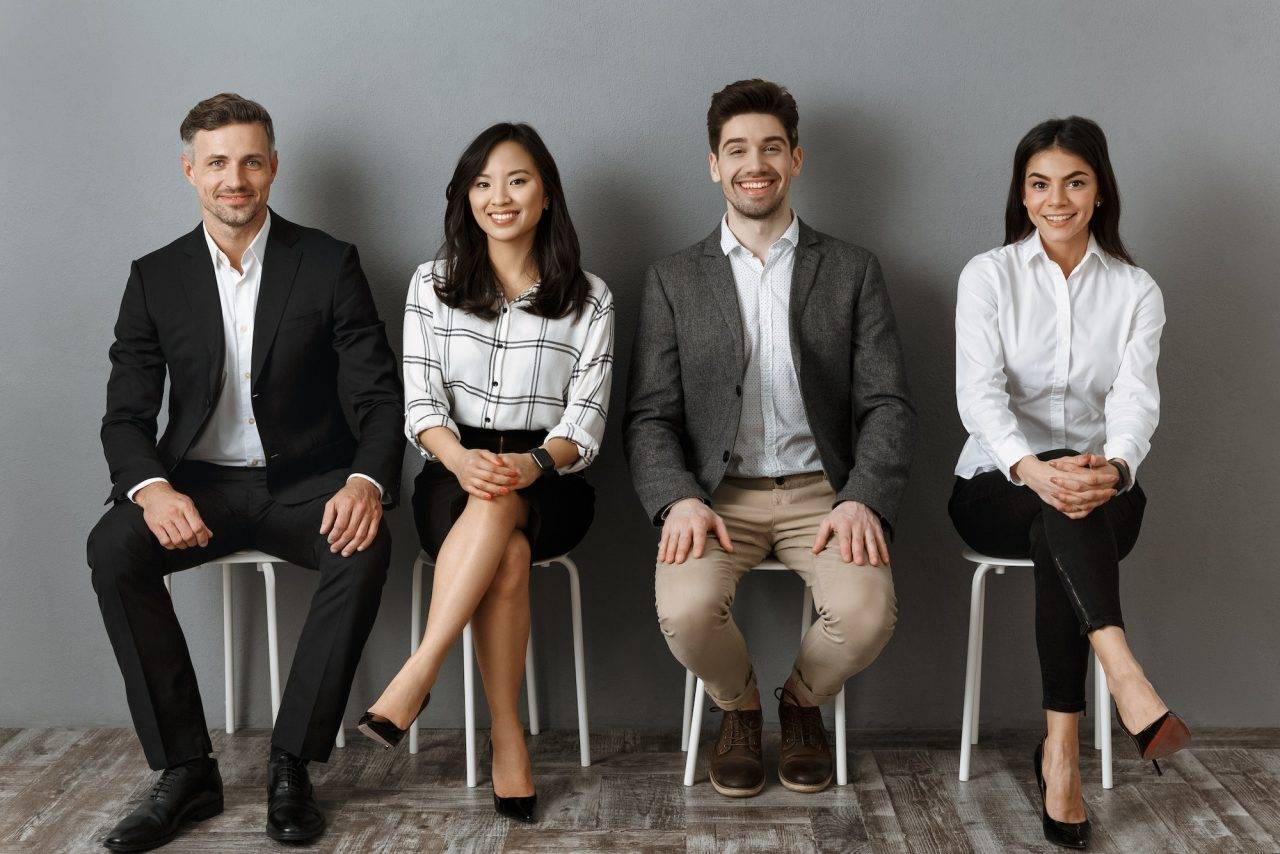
<point>856,606</point>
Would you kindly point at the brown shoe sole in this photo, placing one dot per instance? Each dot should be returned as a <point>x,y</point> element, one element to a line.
<point>1172,736</point>
<point>730,792</point>
<point>807,788</point>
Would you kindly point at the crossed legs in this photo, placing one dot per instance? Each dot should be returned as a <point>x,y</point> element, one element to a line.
<point>481,576</point>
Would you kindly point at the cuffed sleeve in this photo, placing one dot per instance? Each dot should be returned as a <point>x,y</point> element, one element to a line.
<point>427,401</point>
<point>587,400</point>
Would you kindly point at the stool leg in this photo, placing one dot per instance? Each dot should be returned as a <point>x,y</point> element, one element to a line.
<point>228,666</point>
<point>973,663</point>
<point>695,726</point>
<point>687,713</point>
<point>530,686</point>
<point>469,703</point>
<point>415,633</point>
<point>1097,700</point>
<point>579,662</point>
<point>1103,710</point>
<point>273,646</point>
<point>977,684</point>
<point>842,749</point>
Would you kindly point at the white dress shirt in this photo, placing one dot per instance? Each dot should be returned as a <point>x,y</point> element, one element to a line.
<point>230,436</point>
<point>773,438</point>
<point>518,371</point>
<point>1045,362</point>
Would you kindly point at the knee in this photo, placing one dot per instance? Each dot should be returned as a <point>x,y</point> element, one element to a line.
<point>865,619</point>
<point>120,545</point>
<point>505,507</point>
<point>512,577</point>
<point>690,612</point>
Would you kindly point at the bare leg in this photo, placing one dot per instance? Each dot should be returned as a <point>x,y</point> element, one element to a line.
<point>1138,702</point>
<point>501,627</point>
<point>465,567</point>
<point>1061,767</point>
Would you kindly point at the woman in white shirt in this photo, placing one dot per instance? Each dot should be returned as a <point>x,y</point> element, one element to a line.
<point>508,357</point>
<point>1057,337</point>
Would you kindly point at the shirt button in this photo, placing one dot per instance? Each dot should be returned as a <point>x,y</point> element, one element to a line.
<point>498,346</point>
<point>495,385</point>
<point>725,456</point>
<point>486,421</point>
<point>253,462</point>
<point>249,421</point>
<point>504,311</point>
<point>246,375</point>
<point>244,328</point>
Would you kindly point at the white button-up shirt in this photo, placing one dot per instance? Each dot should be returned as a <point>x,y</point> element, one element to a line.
<point>230,436</point>
<point>518,371</point>
<point>773,438</point>
<point>1045,361</point>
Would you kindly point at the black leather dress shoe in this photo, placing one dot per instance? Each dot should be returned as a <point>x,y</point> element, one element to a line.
<point>185,793</point>
<point>293,815</point>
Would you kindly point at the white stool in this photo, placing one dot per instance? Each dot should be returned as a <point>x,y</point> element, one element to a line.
<point>973,670</point>
<point>468,665</point>
<point>695,695</point>
<point>264,564</point>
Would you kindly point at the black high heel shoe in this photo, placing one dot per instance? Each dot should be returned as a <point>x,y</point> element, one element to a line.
<point>522,809</point>
<point>1165,736</point>
<point>384,731</point>
<point>1062,833</point>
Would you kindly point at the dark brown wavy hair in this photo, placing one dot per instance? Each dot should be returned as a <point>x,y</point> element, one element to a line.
<point>1085,139</point>
<point>467,281</point>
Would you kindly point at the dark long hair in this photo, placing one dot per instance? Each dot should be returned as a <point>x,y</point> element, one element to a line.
<point>1083,138</point>
<point>467,281</point>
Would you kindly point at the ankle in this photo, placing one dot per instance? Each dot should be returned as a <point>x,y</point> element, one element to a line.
<point>751,703</point>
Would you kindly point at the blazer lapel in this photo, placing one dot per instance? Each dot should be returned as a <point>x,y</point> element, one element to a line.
<point>278,270</point>
<point>201,288</point>
<point>803,277</point>
<point>718,278</point>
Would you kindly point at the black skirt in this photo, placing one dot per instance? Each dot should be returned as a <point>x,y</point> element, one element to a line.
<point>561,506</point>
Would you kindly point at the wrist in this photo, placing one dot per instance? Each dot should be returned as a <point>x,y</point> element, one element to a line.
<point>144,495</point>
<point>452,458</point>
<point>1018,465</point>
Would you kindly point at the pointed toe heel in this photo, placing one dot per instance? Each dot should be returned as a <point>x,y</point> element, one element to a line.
<point>384,731</point>
<point>520,809</point>
<point>1064,834</point>
<point>1164,736</point>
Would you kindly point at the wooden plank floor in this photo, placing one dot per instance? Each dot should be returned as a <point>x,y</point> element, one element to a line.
<point>62,789</point>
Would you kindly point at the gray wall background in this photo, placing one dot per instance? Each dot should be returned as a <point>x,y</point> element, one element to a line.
<point>909,111</point>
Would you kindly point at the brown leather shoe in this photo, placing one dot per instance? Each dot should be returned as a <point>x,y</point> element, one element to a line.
<point>737,764</point>
<point>804,760</point>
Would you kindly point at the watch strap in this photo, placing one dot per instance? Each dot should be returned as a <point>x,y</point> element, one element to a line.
<point>543,458</point>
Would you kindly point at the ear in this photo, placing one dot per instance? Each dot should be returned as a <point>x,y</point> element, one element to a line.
<point>713,166</point>
<point>188,170</point>
<point>797,160</point>
<point>275,164</point>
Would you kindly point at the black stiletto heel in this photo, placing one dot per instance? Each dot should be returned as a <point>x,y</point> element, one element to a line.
<point>1065,834</point>
<point>384,731</point>
<point>1165,736</point>
<point>523,809</point>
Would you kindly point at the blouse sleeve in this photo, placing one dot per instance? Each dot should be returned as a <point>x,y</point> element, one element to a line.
<point>982,394</point>
<point>1132,407</point>
<point>427,402</point>
<point>587,396</point>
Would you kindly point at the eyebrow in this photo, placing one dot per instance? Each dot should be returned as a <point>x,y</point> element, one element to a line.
<point>255,156</point>
<point>743,139</point>
<point>1047,178</point>
<point>512,172</point>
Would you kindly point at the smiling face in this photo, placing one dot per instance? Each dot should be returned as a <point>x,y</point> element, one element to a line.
<point>1060,193</point>
<point>754,165</point>
<point>232,168</point>
<point>507,198</point>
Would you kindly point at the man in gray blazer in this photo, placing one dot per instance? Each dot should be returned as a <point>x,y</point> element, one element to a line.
<point>768,413</point>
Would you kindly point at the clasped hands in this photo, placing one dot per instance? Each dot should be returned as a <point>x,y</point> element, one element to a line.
<point>487,475</point>
<point>1075,486</point>
<point>851,523</point>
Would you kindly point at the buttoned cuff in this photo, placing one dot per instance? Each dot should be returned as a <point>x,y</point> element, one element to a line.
<point>146,482</point>
<point>1010,451</point>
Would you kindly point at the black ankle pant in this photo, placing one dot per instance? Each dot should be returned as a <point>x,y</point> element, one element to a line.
<point>1077,566</point>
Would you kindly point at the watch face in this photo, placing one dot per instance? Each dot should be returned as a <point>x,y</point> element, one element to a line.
<point>544,459</point>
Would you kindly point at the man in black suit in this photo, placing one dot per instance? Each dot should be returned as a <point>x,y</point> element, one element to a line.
<point>259,323</point>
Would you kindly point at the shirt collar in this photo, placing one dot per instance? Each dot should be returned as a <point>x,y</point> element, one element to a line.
<point>729,242</point>
<point>1032,247</point>
<point>256,249</point>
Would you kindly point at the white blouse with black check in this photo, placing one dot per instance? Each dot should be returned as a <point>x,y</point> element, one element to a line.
<point>517,371</point>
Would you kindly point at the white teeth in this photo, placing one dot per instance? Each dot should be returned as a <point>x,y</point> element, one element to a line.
<point>1058,217</point>
<point>754,185</point>
<point>503,217</point>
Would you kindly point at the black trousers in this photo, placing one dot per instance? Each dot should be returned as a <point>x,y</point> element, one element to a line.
<point>129,566</point>
<point>1077,566</point>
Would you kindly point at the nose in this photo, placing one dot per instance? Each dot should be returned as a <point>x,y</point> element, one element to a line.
<point>1058,195</point>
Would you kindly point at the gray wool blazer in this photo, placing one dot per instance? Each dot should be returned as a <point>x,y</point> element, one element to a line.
<point>684,395</point>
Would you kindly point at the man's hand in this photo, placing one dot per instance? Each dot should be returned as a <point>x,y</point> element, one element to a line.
<point>685,529</point>
<point>1086,482</point>
<point>481,473</point>
<point>351,517</point>
<point>858,531</point>
<point>172,517</point>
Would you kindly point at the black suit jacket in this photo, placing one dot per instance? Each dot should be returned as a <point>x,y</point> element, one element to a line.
<point>317,338</point>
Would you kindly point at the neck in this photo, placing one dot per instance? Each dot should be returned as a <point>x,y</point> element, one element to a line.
<point>234,240</point>
<point>1069,253</point>
<point>513,264</point>
<point>757,235</point>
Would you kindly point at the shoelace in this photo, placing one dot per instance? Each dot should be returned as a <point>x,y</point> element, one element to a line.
<point>739,734</point>
<point>812,733</point>
<point>165,785</point>
<point>290,775</point>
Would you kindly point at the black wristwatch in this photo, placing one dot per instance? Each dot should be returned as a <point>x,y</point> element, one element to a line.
<point>543,458</point>
<point>1126,479</point>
